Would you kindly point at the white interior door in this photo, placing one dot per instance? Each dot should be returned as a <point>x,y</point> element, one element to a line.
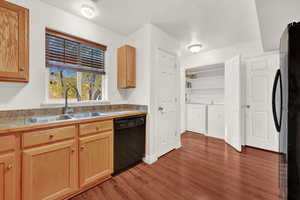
<point>167,102</point>
<point>233,134</point>
<point>260,131</point>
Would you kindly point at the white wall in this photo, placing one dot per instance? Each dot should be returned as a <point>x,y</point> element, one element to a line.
<point>273,17</point>
<point>221,55</point>
<point>141,41</point>
<point>207,90</point>
<point>147,40</point>
<point>210,58</point>
<point>31,95</point>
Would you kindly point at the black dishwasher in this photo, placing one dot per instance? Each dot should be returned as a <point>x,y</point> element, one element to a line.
<point>129,141</point>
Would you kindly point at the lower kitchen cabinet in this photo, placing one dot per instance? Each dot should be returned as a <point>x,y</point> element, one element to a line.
<point>95,157</point>
<point>50,171</point>
<point>8,173</point>
<point>215,122</point>
<point>55,163</point>
<point>196,117</point>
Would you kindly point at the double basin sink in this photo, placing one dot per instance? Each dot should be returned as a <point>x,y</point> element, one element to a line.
<point>77,116</point>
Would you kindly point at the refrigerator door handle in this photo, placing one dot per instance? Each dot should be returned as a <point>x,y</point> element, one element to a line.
<point>276,81</point>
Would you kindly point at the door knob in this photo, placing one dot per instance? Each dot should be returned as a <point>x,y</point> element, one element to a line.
<point>10,166</point>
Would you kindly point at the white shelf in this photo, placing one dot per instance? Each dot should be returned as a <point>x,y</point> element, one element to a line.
<point>217,88</point>
<point>206,78</point>
<point>206,70</point>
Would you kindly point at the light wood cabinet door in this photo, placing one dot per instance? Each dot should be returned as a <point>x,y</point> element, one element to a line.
<point>14,54</point>
<point>126,67</point>
<point>49,172</point>
<point>8,173</point>
<point>131,68</point>
<point>95,158</point>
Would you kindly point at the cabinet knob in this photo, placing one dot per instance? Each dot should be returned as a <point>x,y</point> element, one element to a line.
<point>72,150</point>
<point>51,136</point>
<point>82,147</point>
<point>21,69</point>
<point>97,128</point>
<point>10,166</point>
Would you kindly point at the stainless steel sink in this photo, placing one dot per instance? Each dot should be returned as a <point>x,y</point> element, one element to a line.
<point>63,117</point>
<point>87,115</point>
<point>48,119</point>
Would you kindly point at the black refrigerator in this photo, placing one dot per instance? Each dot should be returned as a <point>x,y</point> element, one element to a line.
<point>286,112</point>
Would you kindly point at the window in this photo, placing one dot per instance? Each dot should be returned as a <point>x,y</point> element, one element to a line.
<point>74,62</point>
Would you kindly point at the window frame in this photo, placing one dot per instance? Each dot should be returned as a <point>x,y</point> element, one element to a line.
<point>50,101</point>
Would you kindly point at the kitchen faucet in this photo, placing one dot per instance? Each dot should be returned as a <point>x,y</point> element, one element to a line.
<point>68,110</point>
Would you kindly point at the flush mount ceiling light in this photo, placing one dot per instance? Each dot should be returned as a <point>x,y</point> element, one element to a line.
<point>87,11</point>
<point>195,48</point>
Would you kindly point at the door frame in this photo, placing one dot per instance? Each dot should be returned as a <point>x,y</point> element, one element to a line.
<point>242,94</point>
<point>154,107</point>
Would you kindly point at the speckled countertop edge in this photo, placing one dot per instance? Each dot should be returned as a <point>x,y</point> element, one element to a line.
<point>15,128</point>
<point>15,121</point>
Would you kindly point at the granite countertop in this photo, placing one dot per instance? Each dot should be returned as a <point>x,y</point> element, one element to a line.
<point>22,124</point>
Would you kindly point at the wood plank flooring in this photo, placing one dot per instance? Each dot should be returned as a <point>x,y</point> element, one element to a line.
<point>203,169</point>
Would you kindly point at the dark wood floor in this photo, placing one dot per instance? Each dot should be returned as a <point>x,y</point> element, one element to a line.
<point>203,169</point>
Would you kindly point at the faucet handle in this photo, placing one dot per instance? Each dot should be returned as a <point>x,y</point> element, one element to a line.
<point>68,110</point>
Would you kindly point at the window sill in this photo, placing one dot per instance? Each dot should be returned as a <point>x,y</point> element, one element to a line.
<point>58,104</point>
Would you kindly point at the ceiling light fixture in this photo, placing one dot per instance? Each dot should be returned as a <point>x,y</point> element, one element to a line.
<point>195,48</point>
<point>87,11</point>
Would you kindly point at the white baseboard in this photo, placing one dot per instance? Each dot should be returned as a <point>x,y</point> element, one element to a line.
<point>216,136</point>
<point>178,145</point>
<point>150,159</point>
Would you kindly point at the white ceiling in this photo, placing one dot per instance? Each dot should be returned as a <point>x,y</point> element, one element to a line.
<point>214,23</point>
<point>274,16</point>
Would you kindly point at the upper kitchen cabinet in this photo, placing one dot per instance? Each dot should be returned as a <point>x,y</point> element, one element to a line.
<point>14,54</point>
<point>126,67</point>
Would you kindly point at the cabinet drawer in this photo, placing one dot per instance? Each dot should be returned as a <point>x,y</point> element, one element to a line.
<point>96,127</point>
<point>48,135</point>
<point>7,142</point>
